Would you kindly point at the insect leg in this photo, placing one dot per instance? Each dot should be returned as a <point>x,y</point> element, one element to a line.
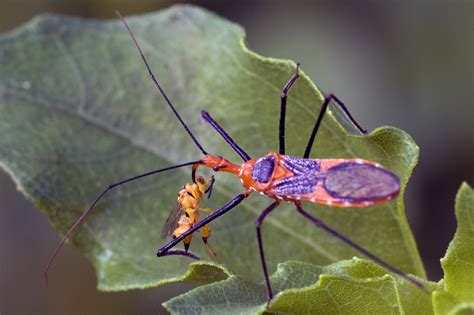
<point>205,234</point>
<point>227,138</point>
<point>323,110</point>
<point>283,97</point>
<point>361,249</point>
<point>259,222</point>
<point>209,248</point>
<point>228,206</point>
<point>208,210</point>
<point>180,252</point>
<point>88,210</point>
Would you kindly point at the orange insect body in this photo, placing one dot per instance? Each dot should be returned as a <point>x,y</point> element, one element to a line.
<point>321,167</point>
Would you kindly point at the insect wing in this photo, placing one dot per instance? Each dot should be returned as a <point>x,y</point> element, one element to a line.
<point>361,182</point>
<point>295,186</point>
<point>301,166</point>
<point>172,221</point>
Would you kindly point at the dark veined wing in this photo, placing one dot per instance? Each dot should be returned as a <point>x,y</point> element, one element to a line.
<point>296,185</point>
<point>172,221</point>
<point>358,182</point>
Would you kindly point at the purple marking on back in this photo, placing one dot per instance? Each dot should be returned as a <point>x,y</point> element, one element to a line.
<point>356,182</point>
<point>263,169</point>
<point>301,166</point>
<point>296,185</point>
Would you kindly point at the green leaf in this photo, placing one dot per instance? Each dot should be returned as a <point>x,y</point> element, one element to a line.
<point>463,309</point>
<point>443,302</point>
<point>457,295</point>
<point>78,112</point>
<point>346,287</point>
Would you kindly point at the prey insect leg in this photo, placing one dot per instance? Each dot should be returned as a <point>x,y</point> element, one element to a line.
<point>228,206</point>
<point>323,110</point>
<point>283,97</point>
<point>207,117</point>
<point>209,247</point>
<point>361,249</point>
<point>258,223</point>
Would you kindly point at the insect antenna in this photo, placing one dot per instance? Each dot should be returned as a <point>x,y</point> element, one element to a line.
<point>152,76</point>
<point>89,209</point>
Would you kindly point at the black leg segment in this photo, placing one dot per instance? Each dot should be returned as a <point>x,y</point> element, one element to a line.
<point>323,110</point>
<point>259,222</point>
<point>283,97</point>
<point>386,265</point>
<point>180,252</point>
<point>227,138</point>
<point>228,206</point>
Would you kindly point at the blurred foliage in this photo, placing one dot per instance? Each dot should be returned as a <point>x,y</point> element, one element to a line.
<point>457,294</point>
<point>346,287</point>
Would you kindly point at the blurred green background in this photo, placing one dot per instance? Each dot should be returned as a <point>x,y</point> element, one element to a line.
<point>408,64</point>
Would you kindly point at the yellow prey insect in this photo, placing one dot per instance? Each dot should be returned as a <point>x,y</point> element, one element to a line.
<point>186,214</point>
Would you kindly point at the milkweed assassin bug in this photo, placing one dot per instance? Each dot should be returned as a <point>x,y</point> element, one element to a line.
<point>332,182</point>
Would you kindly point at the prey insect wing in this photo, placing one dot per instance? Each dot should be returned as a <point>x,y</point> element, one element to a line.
<point>172,221</point>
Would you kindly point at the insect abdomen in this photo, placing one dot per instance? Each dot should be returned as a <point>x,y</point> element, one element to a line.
<point>336,182</point>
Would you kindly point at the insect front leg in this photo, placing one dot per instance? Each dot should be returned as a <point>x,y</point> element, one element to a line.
<point>283,97</point>
<point>258,223</point>
<point>180,252</point>
<point>186,242</point>
<point>227,207</point>
<point>97,199</point>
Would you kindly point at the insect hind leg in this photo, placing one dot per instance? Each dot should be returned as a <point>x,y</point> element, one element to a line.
<point>209,248</point>
<point>258,223</point>
<point>345,239</point>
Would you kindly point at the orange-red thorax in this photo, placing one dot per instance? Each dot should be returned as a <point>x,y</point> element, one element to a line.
<point>244,171</point>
